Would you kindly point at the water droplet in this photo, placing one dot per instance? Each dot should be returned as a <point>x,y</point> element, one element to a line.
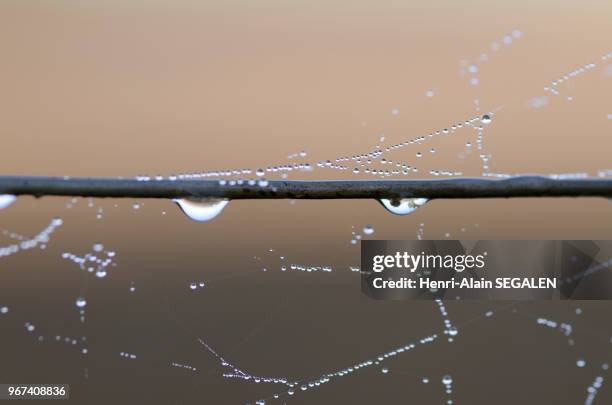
<point>485,119</point>
<point>203,210</point>
<point>4,310</point>
<point>6,200</point>
<point>403,206</point>
<point>98,247</point>
<point>581,363</point>
<point>385,370</point>
<point>368,230</point>
<point>447,380</point>
<point>81,302</point>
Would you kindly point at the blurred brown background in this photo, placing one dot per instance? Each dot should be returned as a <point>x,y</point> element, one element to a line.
<point>113,88</point>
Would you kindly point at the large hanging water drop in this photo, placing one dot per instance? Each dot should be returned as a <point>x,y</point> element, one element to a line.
<point>6,200</point>
<point>402,206</point>
<point>201,210</point>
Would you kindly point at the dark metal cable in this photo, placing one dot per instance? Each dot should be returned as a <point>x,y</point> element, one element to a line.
<point>524,186</point>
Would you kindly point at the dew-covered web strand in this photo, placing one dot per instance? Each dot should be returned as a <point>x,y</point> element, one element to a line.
<point>305,384</point>
<point>274,260</point>
<point>294,386</point>
<point>98,261</point>
<point>311,383</point>
<point>78,343</point>
<point>566,329</point>
<point>363,159</point>
<point>449,329</point>
<point>25,243</point>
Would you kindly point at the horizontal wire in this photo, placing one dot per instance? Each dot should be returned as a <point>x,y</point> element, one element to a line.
<point>521,186</point>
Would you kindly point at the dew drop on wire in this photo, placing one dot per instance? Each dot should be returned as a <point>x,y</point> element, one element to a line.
<point>203,210</point>
<point>403,206</point>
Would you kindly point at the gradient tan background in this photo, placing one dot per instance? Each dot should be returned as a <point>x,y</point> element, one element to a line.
<point>114,88</point>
